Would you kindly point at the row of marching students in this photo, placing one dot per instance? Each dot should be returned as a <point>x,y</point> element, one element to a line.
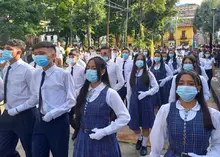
<point>186,120</point>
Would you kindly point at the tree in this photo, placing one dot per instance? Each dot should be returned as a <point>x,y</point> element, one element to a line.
<point>19,19</point>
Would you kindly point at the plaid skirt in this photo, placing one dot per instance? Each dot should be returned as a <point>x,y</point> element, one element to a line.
<point>106,147</point>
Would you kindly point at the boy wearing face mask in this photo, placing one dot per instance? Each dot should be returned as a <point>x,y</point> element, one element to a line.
<point>17,120</point>
<point>78,74</point>
<point>55,90</point>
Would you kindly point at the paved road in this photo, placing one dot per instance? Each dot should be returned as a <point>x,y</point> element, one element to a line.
<point>126,135</point>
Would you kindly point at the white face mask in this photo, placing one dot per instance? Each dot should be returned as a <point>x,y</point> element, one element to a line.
<point>70,61</point>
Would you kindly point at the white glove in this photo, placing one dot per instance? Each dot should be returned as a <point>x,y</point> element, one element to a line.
<point>98,134</point>
<point>48,117</point>
<point>194,155</point>
<point>142,95</point>
<point>12,112</point>
<point>162,83</point>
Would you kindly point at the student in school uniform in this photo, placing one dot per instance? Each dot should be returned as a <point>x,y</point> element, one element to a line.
<point>125,63</point>
<point>209,66</point>
<point>95,103</point>
<point>141,86</point>
<point>188,123</point>
<point>115,54</point>
<point>163,74</point>
<point>114,72</point>
<point>198,67</point>
<point>78,74</point>
<point>55,90</point>
<point>189,64</point>
<point>173,62</point>
<point>18,118</point>
<point>149,60</point>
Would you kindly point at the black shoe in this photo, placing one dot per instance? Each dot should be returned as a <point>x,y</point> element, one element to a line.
<point>74,135</point>
<point>139,144</point>
<point>143,151</point>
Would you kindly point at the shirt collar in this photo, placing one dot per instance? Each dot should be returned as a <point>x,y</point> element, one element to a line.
<point>50,70</point>
<point>99,88</point>
<point>195,108</point>
<point>16,64</point>
<point>139,73</point>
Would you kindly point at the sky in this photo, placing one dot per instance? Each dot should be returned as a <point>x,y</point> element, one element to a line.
<point>190,1</point>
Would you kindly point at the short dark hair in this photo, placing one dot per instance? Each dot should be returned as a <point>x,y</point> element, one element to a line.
<point>126,49</point>
<point>44,44</point>
<point>104,48</point>
<point>17,43</point>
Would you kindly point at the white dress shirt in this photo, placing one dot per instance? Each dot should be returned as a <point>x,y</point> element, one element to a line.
<point>127,67</point>
<point>114,101</point>
<point>207,63</point>
<point>78,75</point>
<point>1,89</point>
<point>81,63</point>
<point>37,66</point>
<point>59,52</point>
<point>19,89</point>
<point>58,91</point>
<point>170,63</point>
<point>115,75</point>
<point>154,87</point>
<point>172,97</point>
<point>159,132</point>
<point>203,73</point>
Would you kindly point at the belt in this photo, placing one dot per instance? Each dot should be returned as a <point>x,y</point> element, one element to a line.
<point>86,131</point>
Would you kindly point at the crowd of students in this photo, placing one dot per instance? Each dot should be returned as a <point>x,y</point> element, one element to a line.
<point>100,92</point>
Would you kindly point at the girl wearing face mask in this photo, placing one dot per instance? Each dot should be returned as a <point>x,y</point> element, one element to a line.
<point>174,63</point>
<point>188,122</point>
<point>95,102</point>
<point>208,63</point>
<point>149,61</point>
<point>189,64</point>
<point>140,88</point>
<point>163,74</point>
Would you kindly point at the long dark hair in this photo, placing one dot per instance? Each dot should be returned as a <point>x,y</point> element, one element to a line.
<point>199,97</point>
<point>174,57</point>
<point>194,63</point>
<point>81,99</point>
<point>161,60</point>
<point>145,76</point>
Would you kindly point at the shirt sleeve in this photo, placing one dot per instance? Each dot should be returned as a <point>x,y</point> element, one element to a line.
<point>128,96</point>
<point>205,88</point>
<point>123,117</point>
<point>1,89</point>
<point>70,97</point>
<point>120,78</point>
<point>169,73</point>
<point>204,73</point>
<point>33,100</point>
<point>153,83</point>
<point>172,96</point>
<point>159,131</point>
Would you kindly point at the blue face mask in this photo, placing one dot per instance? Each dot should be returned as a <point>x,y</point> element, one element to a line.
<point>41,60</point>
<point>187,93</point>
<point>70,61</point>
<point>207,55</point>
<point>92,76</point>
<point>33,56</point>
<point>7,55</point>
<point>157,59</point>
<point>106,58</point>
<point>171,55</point>
<point>164,58</point>
<point>145,53</point>
<point>93,53</point>
<point>139,63</point>
<point>125,55</point>
<point>134,53</point>
<point>188,67</point>
<point>2,60</point>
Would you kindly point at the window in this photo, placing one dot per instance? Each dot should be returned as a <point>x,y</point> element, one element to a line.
<point>183,35</point>
<point>171,36</point>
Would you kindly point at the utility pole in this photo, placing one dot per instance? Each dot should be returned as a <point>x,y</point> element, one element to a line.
<point>126,26</point>
<point>108,22</point>
<point>71,26</point>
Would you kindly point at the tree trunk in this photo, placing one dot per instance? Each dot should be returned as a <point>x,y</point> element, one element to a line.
<point>162,39</point>
<point>89,34</point>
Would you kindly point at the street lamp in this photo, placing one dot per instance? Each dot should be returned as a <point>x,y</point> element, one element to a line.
<point>213,28</point>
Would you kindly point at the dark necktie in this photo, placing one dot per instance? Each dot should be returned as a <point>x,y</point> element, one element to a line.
<point>5,85</point>
<point>115,59</point>
<point>123,68</point>
<point>41,84</point>
<point>35,64</point>
<point>72,71</point>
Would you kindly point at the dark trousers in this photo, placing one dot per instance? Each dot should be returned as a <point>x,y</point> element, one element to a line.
<point>16,127</point>
<point>51,136</point>
<point>123,92</point>
<point>210,75</point>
